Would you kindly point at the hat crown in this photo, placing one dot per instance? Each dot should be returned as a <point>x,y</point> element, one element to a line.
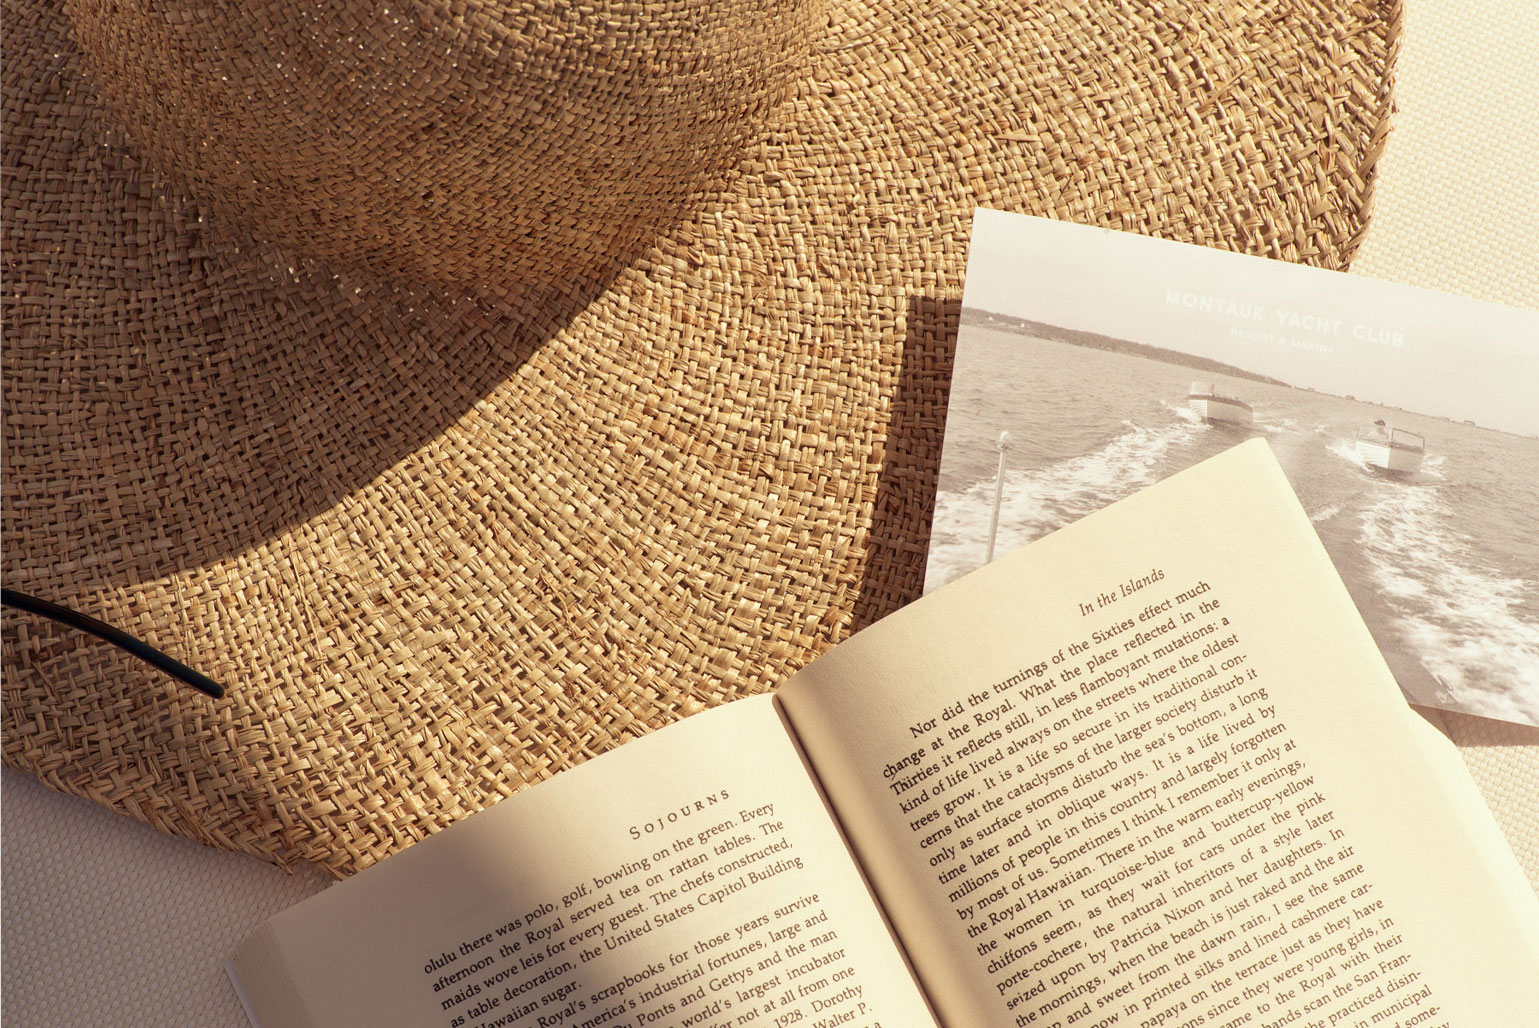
<point>457,143</point>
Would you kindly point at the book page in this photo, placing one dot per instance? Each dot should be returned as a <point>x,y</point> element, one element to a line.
<point>1151,771</point>
<point>691,877</point>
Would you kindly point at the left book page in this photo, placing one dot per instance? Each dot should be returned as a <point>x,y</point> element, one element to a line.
<point>692,877</point>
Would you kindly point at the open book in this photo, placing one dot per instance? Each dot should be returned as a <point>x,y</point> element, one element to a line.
<point>1148,771</point>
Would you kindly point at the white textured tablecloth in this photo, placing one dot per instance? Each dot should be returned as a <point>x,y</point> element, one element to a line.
<point>1456,208</point>
<point>107,923</point>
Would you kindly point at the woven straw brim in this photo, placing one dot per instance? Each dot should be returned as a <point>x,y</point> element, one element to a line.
<point>439,548</point>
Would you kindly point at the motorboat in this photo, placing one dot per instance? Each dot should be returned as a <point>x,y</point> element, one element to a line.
<point>1394,451</point>
<point>1215,408</point>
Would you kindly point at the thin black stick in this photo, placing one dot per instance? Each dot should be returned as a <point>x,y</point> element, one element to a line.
<point>120,639</point>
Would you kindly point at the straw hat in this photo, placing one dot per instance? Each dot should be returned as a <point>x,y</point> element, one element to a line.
<point>470,387</point>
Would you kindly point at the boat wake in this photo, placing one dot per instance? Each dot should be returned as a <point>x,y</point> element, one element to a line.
<point>1463,621</point>
<point>1346,449</point>
<point>1034,503</point>
<point>1325,513</point>
<point>1182,411</point>
<point>1284,427</point>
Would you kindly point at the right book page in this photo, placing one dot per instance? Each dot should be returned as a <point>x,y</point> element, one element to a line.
<point>1151,770</point>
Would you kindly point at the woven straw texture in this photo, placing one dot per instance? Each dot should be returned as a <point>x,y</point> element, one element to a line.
<point>463,449</point>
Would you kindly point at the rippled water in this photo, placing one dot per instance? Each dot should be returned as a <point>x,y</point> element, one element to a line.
<point>1444,564</point>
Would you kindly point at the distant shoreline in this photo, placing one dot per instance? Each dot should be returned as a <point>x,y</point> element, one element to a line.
<point>979,318</point>
<point>1096,341</point>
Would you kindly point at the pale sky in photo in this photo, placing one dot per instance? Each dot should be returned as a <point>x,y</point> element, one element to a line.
<point>1383,342</point>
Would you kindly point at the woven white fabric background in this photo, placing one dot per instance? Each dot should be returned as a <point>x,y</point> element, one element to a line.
<point>1457,201</point>
<point>107,923</point>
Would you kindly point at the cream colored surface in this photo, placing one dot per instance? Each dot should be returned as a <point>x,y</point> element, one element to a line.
<point>108,923</point>
<point>1455,206</point>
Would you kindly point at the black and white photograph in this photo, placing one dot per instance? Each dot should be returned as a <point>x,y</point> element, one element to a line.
<point>1092,363</point>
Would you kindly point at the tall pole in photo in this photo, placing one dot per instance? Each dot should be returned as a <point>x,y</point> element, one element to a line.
<point>999,487</point>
